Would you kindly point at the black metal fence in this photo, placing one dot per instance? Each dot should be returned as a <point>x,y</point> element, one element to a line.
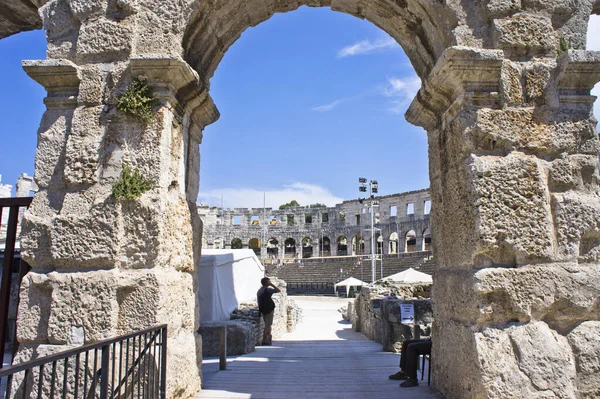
<point>129,366</point>
<point>14,206</point>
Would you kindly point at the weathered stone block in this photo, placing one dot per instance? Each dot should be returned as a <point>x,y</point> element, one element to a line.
<point>503,7</point>
<point>102,39</point>
<point>577,224</point>
<point>585,341</point>
<point>525,34</point>
<point>83,147</point>
<point>75,242</point>
<point>537,76</point>
<point>517,129</point>
<point>515,221</point>
<point>50,154</point>
<point>510,84</point>
<point>240,337</point>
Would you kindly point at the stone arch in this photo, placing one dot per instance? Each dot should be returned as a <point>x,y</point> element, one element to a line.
<point>393,243</point>
<point>325,246</point>
<point>255,245</point>
<point>426,245</point>
<point>410,240</point>
<point>358,244</point>
<point>236,243</point>
<point>273,247</point>
<point>307,247</point>
<point>290,247</point>
<point>507,110</point>
<point>342,245</point>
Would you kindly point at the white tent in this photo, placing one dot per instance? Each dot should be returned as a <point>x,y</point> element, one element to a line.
<point>410,275</point>
<point>226,278</point>
<point>350,282</point>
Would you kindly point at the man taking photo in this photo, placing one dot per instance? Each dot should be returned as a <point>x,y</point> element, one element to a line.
<point>266,306</point>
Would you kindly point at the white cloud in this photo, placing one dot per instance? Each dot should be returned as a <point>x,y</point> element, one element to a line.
<point>401,92</point>
<point>327,107</point>
<point>593,43</point>
<point>366,47</point>
<point>245,197</point>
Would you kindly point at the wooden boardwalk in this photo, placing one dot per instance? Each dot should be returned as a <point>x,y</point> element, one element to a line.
<point>323,358</point>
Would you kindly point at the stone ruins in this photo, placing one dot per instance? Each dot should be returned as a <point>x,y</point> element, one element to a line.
<point>302,232</point>
<point>505,100</point>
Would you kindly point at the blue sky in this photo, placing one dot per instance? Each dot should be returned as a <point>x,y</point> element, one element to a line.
<point>310,100</point>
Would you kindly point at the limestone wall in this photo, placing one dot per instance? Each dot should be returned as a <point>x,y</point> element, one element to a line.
<point>376,313</point>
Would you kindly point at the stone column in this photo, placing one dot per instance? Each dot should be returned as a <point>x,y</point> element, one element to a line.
<point>513,167</point>
<point>117,266</point>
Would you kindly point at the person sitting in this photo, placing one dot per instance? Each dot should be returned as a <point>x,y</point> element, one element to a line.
<point>409,360</point>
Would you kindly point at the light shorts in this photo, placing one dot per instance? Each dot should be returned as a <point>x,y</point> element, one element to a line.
<point>268,318</point>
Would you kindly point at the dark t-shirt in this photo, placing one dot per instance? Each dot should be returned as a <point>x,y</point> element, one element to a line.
<point>265,302</point>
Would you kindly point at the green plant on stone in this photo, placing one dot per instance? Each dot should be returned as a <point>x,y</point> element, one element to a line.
<point>138,100</point>
<point>563,47</point>
<point>130,185</point>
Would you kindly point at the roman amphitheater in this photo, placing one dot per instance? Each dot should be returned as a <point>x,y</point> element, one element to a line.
<point>401,226</point>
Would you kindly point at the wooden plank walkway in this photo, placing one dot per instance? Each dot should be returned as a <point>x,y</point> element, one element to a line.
<point>323,358</point>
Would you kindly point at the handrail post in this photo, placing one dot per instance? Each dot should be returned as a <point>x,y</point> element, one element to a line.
<point>163,364</point>
<point>104,371</point>
<point>223,348</point>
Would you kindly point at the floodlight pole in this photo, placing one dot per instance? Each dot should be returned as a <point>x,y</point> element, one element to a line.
<point>372,239</point>
<point>373,188</point>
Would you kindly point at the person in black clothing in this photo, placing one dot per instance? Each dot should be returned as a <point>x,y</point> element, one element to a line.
<point>266,306</point>
<point>409,359</point>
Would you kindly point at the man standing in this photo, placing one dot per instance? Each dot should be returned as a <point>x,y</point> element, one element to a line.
<point>266,306</point>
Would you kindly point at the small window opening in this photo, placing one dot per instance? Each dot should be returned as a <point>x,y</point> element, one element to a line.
<point>325,217</point>
<point>255,220</point>
<point>427,207</point>
<point>290,219</point>
<point>357,219</point>
<point>237,220</point>
<point>410,209</point>
<point>342,217</point>
<point>393,210</point>
<point>273,220</point>
<point>308,218</point>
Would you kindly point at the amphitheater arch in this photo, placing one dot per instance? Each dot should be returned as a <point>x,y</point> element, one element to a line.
<point>273,248</point>
<point>358,244</point>
<point>342,246</point>
<point>393,243</point>
<point>325,246</point>
<point>255,245</point>
<point>426,245</point>
<point>307,247</point>
<point>492,74</point>
<point>290,248</point>
<point>410,241</point>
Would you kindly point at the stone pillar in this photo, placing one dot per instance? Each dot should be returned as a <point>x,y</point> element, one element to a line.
<point>117,265</point>
<point>513,154</point>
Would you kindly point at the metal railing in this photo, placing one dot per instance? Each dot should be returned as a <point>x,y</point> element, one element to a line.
<point>129,366</point>
<point>14,206</point>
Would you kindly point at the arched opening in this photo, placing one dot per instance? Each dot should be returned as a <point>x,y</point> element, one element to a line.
<point>379,241</point>
<point>411,241</point>
<point>427,240</point>
<point>273,248</point>
<point>393,244</point>
<point>307,249</point>
<point>325,246</point>
<point>236,243</point>
<point>254,244</point>
<point>342,246</point>
<point>290,248</point>
<point>358,245</point>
